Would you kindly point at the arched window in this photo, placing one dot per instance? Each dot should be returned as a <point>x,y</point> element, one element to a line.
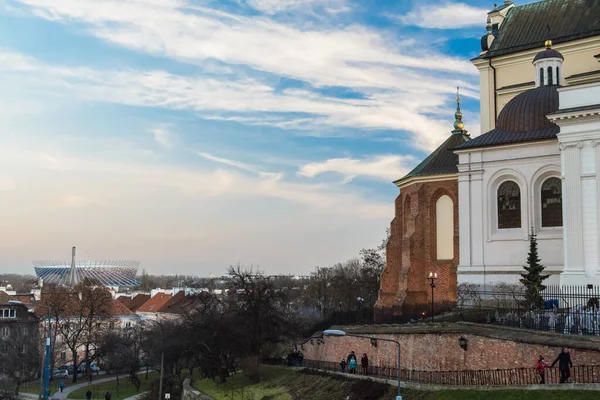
<point>406,213</point>
<point>541,76</point>
<point>551,198</point>
<point>509,205</point>
<point>550,76</point>
<point>444,228</point>
<point>558,76</point>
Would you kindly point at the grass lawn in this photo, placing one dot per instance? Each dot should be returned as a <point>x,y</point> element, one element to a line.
<point>33,387</point>
<point>514,395</point>
<point>124,390</point>
<point>270,385</point>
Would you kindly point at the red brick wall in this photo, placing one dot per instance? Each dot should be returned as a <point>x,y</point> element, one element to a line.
<point>411,250</point>
<point>441,352</point>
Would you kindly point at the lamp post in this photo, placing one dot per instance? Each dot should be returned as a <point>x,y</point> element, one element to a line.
<point>45,384</point>
<point>162,357</point>
<point>335,332</point>
<point>432,278</point>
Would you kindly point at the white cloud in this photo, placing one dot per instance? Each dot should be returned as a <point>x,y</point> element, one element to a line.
<point>397,110</point>
<point>447,15</point>
<point>275,6</point>
<point>383,167</point>
<point>163,137</point>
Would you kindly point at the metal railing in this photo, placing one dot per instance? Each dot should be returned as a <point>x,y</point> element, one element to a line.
<point>581,374</point>
<point>566,310</point>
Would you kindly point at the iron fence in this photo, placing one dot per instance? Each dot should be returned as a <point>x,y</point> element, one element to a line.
<point>566,310</point>
<point>581,374</point>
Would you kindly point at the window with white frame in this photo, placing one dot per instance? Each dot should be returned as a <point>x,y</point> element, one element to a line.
<point>551,202</point>
<point>509,205</point>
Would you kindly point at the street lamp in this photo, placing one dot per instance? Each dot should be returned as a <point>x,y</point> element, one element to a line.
<point>432,278</point>
<point>162,357</point>
<point>336,332</point>
<point>46,378</point>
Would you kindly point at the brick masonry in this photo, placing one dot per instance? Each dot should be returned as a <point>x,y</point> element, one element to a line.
<point>441,352</point>
<point>411,250</point>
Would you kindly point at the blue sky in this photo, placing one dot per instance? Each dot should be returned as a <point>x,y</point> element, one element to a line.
<point>191,135</point>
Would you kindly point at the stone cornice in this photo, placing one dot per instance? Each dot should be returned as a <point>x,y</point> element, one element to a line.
<point>425,179</point>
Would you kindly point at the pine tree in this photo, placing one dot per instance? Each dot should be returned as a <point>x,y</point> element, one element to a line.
<point>533,277</point>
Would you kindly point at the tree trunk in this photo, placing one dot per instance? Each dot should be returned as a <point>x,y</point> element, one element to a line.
<point>74,354</point>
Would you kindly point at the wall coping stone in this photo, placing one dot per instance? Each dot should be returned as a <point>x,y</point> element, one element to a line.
<point>429,387</point>
<point>500,332</point>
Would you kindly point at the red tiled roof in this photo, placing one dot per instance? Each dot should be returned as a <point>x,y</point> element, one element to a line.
<point>25,298</point>
<point>5,297</point>
<point>175,304</point>
<point>155,303</point>
<point>123,299</point>
<point>138,301</point>
<point>119,309</point>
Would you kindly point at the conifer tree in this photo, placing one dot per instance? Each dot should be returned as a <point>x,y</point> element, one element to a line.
<point>533,277</point>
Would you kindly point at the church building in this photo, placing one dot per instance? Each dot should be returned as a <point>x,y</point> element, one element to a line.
<point>466,212</point>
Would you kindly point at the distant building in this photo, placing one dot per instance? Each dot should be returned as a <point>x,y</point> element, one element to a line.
<point>18,328</point>
<point>116,273</point>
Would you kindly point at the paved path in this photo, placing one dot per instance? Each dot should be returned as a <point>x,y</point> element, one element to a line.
<point>59,396</point>
<point>136,397</point>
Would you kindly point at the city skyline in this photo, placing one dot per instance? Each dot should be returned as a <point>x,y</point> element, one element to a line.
<point>193,135</point>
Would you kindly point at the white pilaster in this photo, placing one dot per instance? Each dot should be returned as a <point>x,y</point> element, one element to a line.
<point>573,230</point>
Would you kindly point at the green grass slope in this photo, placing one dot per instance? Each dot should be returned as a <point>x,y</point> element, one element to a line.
<point>286,384</point>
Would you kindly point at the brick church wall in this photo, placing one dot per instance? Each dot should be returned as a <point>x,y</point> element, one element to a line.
<point>411,250</point>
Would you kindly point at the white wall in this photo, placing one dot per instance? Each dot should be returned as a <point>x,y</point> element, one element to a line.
<point>489,254</point>
<point>580,151</point>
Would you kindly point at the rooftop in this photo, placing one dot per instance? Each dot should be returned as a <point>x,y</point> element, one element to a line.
<point>138,301</point>
<point>155,303</point>
<point>528,26</point>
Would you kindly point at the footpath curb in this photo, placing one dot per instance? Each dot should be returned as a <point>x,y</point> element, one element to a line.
<point>427,387</point>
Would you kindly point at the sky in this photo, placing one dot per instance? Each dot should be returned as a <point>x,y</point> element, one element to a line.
<point>196,134</point>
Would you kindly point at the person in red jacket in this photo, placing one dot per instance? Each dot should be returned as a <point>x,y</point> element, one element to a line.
<point>541,370</point>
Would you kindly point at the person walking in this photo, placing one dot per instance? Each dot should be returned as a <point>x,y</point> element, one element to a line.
<point>541,370</point>
<point>107,396</point>
<point>564,364</point>
<point>343,365</point>
<point>364,363</point>
<point>61,386</point>
<point>353,365</point>
<point>88,395</point>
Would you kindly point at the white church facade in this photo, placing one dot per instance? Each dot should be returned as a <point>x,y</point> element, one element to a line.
<point>536,168</point>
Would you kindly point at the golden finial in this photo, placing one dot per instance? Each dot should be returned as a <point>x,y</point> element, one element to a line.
<point>458,94</point>
<point>548,44</point>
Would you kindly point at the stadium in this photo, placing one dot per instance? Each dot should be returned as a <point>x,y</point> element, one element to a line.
<point>108,273</point>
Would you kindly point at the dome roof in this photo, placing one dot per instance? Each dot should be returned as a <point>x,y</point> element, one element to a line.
<point>527,111</point>
<point>548,53</point>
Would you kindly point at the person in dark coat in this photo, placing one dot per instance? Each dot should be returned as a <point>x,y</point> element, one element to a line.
<point>88,395</point>
<point>364,363</point>
<point>564,365</point>
<point>343,365</point>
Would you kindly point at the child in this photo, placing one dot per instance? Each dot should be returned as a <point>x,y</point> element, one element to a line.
<point>353,365</point>
<point>541,370</point>
<point>61,386</point>
<point>343,365</point>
